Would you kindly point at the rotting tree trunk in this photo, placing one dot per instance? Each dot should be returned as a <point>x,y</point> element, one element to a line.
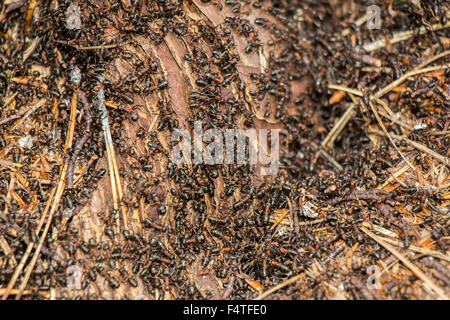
<point>196,44</point>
